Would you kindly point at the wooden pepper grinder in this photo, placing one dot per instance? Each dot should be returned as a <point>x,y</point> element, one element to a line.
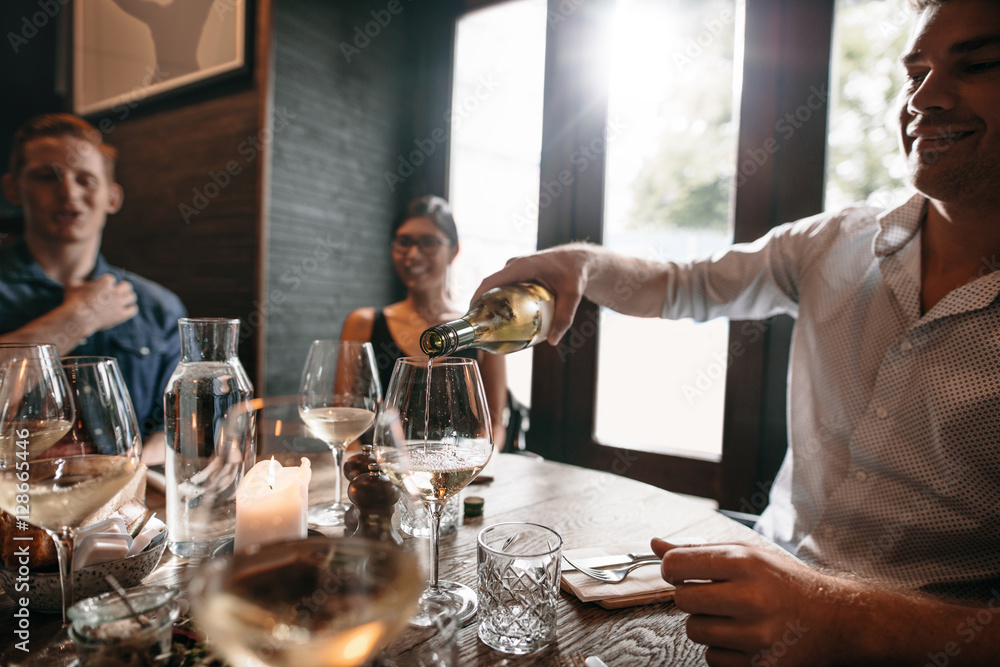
<point>375,498</point>
<point>354,466</point>
<point>358,464</point>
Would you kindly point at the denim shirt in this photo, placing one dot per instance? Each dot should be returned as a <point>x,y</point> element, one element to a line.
<point>146,346</point>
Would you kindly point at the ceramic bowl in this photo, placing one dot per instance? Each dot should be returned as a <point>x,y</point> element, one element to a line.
<point>44,593</point>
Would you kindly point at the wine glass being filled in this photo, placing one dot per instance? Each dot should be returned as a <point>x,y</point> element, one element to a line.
<point>433,437</point>
<point>424,247</point>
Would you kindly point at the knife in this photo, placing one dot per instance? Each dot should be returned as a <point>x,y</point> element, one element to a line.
<point>606,561</point>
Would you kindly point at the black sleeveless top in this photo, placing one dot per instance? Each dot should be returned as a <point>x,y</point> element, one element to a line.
<point>387,351</point>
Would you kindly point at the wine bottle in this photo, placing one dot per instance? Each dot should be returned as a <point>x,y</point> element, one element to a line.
<point>503,320</point>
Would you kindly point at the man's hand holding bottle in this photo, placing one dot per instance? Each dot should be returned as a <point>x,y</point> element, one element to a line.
<point>577,270</point>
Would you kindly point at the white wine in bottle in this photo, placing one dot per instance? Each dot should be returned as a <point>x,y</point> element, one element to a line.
<point>503,320</point>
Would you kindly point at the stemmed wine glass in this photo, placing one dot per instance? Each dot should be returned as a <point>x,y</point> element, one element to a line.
<point>318,602</point>
<point>340,393</point>
<point>64,479</point>
<point>36,401</point>
<point>432,438</point>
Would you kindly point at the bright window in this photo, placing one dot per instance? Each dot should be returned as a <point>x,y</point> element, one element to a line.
<point>496,144</point>
<point>864,162</point>
<point>671,142</point>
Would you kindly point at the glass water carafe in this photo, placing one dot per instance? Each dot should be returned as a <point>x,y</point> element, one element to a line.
<point>202,469</point>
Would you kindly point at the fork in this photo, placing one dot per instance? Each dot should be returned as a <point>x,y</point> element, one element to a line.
<point>612,576</point>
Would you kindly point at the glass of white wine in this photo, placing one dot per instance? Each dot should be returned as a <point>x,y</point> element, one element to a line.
<point>340,394</point>
<point>319,602</point>
<point>432,438</point>
<point>53,482</point>
<point>37,399</point>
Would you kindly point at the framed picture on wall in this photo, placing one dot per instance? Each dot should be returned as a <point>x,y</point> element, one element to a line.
<point>127,51</point>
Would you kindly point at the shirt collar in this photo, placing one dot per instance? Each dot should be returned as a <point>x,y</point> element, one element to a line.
<point>101,267</point>
<point>19,266</point>
<point>897,228</point>
<point>899,225</point>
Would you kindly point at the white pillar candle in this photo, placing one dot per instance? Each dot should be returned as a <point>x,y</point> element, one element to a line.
<point>271,504</point>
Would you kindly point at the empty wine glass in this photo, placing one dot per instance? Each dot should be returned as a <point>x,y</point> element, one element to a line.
<point>432,438</point>
<point>340,394</point>
<point>59,465</point>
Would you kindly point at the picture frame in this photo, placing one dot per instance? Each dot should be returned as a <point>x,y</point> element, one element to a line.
<point>129,51</point>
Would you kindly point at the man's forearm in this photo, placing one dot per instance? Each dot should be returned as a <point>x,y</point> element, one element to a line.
<point>60,327</point>
<point>888,627</point>
<point>628,285</point>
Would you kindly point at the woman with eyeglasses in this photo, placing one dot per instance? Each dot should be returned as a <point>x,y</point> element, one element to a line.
<point>425,243</point>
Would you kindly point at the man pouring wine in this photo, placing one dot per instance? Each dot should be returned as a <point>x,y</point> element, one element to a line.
<point>895,346</point>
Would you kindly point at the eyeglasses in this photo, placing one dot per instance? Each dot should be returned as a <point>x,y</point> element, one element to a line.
<point>428,244</point>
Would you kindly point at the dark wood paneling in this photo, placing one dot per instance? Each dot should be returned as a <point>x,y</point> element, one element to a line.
<point>784,117</point>
<point>432,39</point>
<point>171,165</point>
<point>27,79</point>
<point>564,379</point>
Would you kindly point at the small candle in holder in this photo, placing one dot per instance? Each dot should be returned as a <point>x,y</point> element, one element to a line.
<point>271,504</point>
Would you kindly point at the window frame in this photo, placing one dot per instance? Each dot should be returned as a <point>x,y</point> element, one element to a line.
<point>786,57</point>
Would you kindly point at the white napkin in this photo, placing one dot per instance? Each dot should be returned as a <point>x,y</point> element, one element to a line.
<point>641,583</point>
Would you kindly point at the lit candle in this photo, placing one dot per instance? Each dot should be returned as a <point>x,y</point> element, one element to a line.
<point>271,504</point>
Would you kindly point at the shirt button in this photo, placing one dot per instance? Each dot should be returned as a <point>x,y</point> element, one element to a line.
<point>861,476</point>
<point>882,413</point>
<point>906,346</point>
<point>828,532</point>
<point>144,350</point>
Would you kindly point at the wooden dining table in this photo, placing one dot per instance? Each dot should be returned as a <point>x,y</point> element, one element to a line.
<point>587,508</point>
